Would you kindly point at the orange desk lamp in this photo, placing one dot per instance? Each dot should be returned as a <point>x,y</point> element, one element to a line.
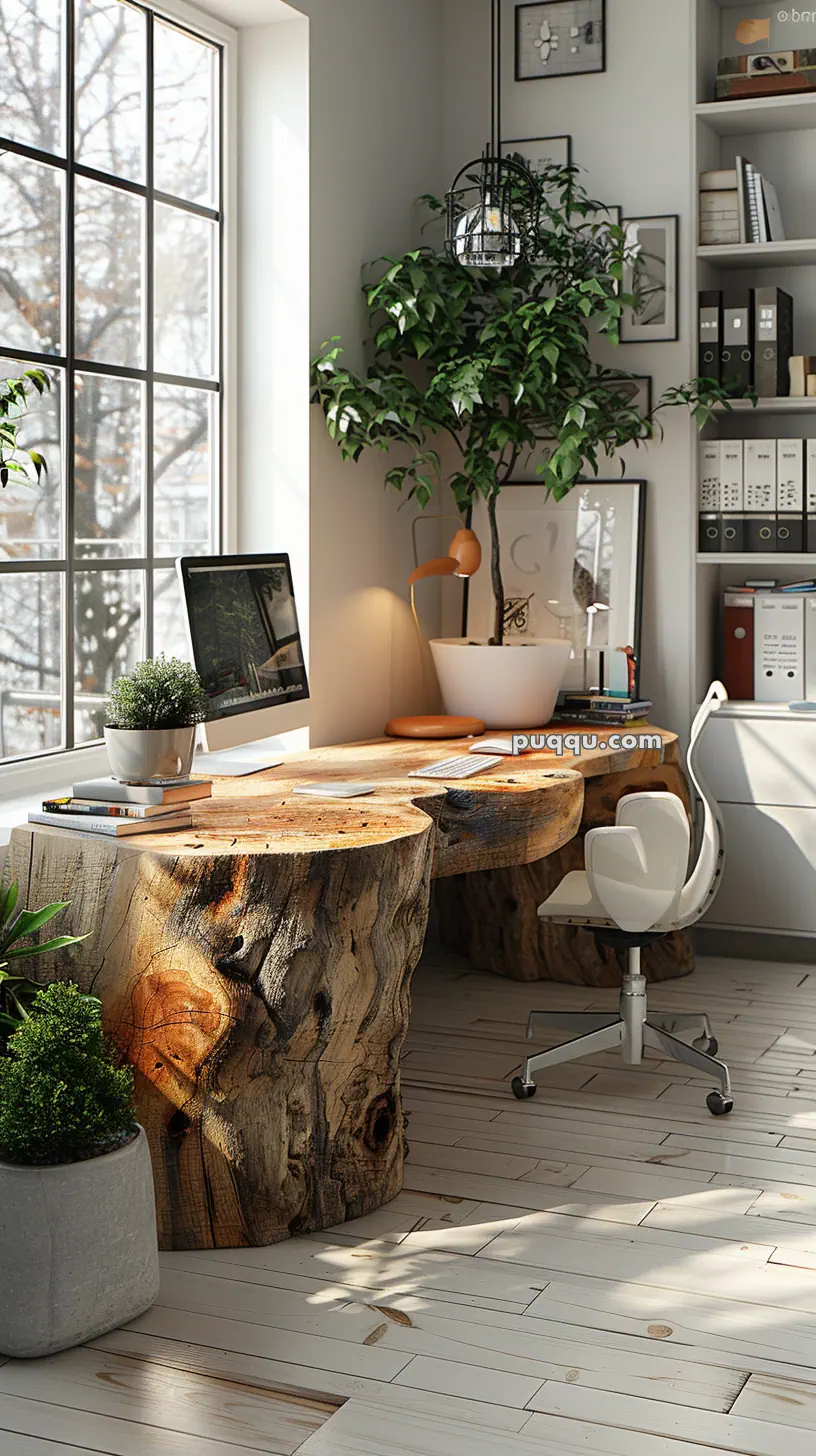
<point>463,559</point>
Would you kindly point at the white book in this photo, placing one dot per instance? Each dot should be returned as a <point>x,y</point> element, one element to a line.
<point>111,827</point>
<point>789,475</point>
<point>100,808</point>
<point>756,204</point>
<point>732,489</point>
<point>718,180</point>
<point>114,791</point>
<point>742,189</point>
<point>760,475</point>
<point>709,475</point>
<point>779,648</point>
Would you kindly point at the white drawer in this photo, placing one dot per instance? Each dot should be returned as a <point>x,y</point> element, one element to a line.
<point>760,760</point>
<point>769,881</point>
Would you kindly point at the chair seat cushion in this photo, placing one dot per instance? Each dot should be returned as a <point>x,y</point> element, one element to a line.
<point>573,903</point>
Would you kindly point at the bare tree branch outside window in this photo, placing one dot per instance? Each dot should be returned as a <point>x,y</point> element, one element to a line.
<point>110,242</point>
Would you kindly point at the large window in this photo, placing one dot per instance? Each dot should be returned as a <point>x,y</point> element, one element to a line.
<point>110,247</point>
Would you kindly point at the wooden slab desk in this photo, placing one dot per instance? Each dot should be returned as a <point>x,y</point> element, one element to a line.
<point>256,970</point>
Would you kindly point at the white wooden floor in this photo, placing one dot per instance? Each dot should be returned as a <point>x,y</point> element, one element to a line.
<point>606,1269</point>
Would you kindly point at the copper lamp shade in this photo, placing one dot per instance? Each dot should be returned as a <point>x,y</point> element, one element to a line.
<point>463,559</point>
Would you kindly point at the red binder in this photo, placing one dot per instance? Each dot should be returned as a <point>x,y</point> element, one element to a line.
<point>738,645</point>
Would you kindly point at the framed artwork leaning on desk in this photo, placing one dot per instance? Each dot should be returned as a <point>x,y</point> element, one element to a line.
<point>574,568</point>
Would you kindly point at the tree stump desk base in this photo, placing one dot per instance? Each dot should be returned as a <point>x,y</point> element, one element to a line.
<point>256,969</point>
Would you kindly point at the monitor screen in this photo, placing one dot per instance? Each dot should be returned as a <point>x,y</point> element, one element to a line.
<point>244,631</point>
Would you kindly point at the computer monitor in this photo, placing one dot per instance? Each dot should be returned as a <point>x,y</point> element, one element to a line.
<point>246,646</point>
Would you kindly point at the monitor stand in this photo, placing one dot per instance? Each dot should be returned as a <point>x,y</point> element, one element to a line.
<point>236,763</point>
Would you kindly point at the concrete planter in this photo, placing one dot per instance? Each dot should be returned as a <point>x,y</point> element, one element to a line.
<point>514,686</point>
<point>78,1249</point>
<point>150,753</point>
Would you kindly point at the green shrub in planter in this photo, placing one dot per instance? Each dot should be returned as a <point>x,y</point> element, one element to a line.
<point>63,1098</point>
<point>160,693</point>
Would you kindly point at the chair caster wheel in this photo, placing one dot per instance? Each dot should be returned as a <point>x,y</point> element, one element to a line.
<point>707,1044</point>
<point>718,1104</point>
<point>522,1089</point>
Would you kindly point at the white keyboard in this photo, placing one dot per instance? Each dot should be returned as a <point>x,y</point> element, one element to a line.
<point>456,768</point>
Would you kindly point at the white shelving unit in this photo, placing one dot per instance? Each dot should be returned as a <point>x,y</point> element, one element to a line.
<point>795,253</point>
<point>759,758</point>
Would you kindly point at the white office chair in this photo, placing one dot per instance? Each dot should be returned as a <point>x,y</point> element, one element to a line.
<point>633,890</point>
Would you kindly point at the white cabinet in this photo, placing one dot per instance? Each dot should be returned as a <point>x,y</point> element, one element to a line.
<point>761,768</point>
<point>770,869</point>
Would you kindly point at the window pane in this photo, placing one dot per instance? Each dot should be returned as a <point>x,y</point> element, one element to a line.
<point>184,293</point>
<point>108,467</point>
<point>109,243</point>
<point>31,40</point>
<point>31,202</point>
<point>111,62</point>
<point>182,470</point>
<point>185,74</point>
<point>108,642</point>
<point>30,515</point>
<point>30,672</point>
<point>169,620</point>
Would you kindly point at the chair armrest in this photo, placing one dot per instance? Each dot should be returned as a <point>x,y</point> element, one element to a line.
<point>619,877</point>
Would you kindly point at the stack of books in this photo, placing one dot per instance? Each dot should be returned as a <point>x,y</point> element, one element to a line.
<point>602,708</point>
<point>107,806</point>
<point>739,205</point>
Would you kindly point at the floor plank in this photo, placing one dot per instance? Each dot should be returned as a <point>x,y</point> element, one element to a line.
<point>605,1268</point>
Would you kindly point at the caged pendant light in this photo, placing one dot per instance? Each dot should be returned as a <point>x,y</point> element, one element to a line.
<point>493,206</point>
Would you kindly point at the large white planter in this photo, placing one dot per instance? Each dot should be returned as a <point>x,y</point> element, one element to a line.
<point>514,686</point>
<point>78,1249</point>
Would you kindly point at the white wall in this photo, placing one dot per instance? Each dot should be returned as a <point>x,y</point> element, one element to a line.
<point>631,131</point>
<point>372,132</point>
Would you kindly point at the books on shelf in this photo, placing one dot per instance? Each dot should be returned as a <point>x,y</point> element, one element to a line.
<point>601,709</point>
<point>738,205</point>
<point>115,809</point>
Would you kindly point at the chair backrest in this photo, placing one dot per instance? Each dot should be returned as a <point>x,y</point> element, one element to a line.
<point>704,880</point>
<point>636,869</point>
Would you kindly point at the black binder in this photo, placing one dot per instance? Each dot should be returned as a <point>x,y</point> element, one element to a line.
<point>738,339</point>
<point>773,338</point>
<point>709,334</point>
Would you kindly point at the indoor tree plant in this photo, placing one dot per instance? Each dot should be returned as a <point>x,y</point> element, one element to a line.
<point>151,720</point>
<point>78,1247</point>
<point>494,360</point>
<point>14,398</point>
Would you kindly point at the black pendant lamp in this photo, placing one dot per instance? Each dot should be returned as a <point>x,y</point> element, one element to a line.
<point>493,206</point>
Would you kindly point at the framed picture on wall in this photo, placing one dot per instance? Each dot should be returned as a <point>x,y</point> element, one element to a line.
<point>560,38</point>
<point>651,271</point>
<point>571,569</point>
<point>637,390</point>
<point>540,152</point>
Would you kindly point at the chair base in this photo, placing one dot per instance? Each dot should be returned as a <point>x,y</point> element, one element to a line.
<point>633,1030</point>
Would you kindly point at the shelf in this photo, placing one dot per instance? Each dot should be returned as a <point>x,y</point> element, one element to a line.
<point>740,709</point>
<point>783,406</point>
<point>796,252</point>
<point>761,114</point>
<point>757,558</point>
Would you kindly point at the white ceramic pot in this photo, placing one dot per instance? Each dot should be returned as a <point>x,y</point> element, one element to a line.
<point>78,1249</point>
<point>514,686</point>
<point>150,753</point>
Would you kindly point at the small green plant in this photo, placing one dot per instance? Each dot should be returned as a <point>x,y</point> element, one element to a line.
<point>14,395</point>
<point>17,992</point>
<point>63,1098</point>
<point>160,693</point>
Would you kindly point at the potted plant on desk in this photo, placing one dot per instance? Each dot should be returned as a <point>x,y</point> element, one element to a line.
<point>78,1247</point>
<point>495,360</point>
<point>152,717</point>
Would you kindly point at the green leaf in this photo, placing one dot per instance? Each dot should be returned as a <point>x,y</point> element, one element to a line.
<point>23,952</point>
